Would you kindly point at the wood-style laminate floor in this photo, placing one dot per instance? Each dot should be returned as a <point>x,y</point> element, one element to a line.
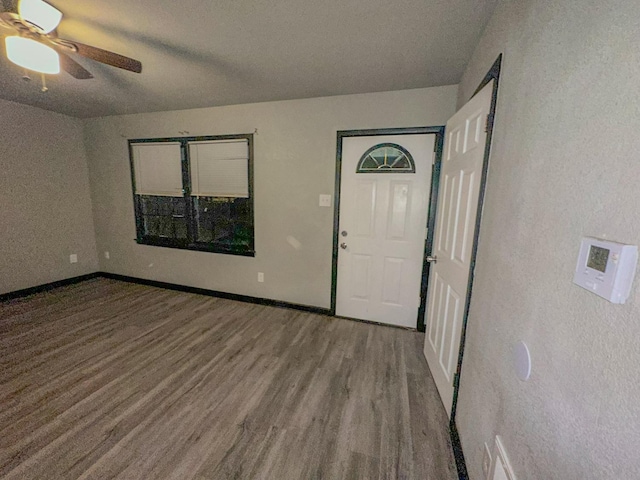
<point>106,379</point>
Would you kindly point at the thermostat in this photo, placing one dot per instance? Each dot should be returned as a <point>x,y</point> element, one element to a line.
<point>606,268</point>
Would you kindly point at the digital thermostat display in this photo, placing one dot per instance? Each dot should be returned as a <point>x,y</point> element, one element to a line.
<point>606,268</point>
<point>598,257</point>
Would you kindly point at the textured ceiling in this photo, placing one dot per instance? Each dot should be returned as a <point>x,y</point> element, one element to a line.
<point>200,53</point>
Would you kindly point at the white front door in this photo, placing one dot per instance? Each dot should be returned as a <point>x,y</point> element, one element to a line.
<point>384,199</point>
<point>460,177</point>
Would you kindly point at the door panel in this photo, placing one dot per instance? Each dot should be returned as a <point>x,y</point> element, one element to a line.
<point>465,139</point>
<point>434,308</point>
<point>392,280</point>
<point>366,206</point>
<point>463,227</point>
<point>398,211</point>
<point>385,216</point>
<point>361,268</point>
<point>475,131</point>
<point>452,319</point>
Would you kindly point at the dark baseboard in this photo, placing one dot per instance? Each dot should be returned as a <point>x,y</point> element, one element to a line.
<point>461,465</point>
<point>215,293</point>
<point>47,286</point>
<point>181,288</point>
<point>371,322</point>
<point>171,286</point>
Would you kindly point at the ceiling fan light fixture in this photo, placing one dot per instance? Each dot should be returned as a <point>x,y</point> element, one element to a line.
<point>39,14</point>
<point>32,55</point>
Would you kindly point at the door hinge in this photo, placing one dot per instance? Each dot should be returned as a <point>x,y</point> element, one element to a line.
<point>433,158</point>
<point>489,123</point>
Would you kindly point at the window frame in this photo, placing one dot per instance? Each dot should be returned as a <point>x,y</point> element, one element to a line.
<point>190,242</point>
<point>400,148</point>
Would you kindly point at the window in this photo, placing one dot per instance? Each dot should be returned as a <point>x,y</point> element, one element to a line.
<point>194,192</point>
<point>386,157</point>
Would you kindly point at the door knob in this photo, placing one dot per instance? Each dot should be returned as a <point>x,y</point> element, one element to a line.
<point>343,233</point>
<point>343,246</point>
<point>431,259</point>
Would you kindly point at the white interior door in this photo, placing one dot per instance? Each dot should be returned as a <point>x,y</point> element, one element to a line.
<point>383,220</point>
<point>461,172</point>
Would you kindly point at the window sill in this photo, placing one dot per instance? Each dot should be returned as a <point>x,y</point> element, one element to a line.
<point>197,247</point>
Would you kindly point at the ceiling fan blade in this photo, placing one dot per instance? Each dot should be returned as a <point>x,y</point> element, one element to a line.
<point>73,68</point>
<point>104,56</point>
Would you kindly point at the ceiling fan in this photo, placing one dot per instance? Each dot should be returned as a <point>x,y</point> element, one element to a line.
<point>35,44</point>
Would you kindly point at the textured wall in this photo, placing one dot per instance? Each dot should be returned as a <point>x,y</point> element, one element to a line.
<point>294,162</point>
<point>565,164</point>
<point>45,212</point>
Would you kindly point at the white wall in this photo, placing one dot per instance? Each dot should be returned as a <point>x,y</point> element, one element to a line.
<point>45,207</point>
<point>565,164</point>
<point>295,150</point>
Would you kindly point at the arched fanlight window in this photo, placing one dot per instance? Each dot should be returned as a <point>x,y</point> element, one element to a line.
<point>386,157</point>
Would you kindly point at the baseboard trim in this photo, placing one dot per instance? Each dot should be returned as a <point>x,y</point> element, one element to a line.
<point>45,287</point>
<point>180,288</point>
<point>215,293</point>
<point>461,465</point>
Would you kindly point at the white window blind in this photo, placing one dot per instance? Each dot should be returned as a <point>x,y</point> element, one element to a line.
<point>219,168</point>
<point>158,169</point>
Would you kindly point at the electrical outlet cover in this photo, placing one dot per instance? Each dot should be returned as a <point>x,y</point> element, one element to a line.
<point>325,200</point>
<point>73,258</point>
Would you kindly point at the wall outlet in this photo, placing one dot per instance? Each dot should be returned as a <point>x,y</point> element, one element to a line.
<point>106,255</point>
<point>325,200</point>
<point>73,258</point>
<point>486,460</point>
<point>260,277</point>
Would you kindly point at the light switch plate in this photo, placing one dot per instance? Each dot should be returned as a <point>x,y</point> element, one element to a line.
<point>500,466</point>
<point>325,200</point>
<point>486,460</point>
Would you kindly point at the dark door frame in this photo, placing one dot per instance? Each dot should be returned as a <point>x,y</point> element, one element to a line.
<point>492,74</point>
<point>438,131</point>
